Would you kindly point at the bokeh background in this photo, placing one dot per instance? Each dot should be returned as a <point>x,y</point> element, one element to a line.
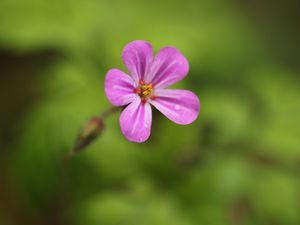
<point>239,163</point>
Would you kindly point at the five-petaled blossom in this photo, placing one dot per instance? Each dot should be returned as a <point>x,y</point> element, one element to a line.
<point>146,86</point>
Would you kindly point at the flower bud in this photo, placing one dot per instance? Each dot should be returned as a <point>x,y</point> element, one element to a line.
<point>91,130</point>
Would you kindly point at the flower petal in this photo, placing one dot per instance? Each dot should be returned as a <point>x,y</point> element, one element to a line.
<point>137,57</point>
<point>180,106</point>
<point>168,67</point>
<point>135,121</point>
<point>119,87</point>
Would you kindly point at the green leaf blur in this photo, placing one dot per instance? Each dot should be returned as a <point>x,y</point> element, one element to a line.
<point>238,164</point>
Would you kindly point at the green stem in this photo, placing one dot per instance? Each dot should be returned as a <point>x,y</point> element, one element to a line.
<point>109,111</point>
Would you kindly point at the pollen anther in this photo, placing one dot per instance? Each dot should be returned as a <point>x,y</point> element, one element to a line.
<point>144,91</point>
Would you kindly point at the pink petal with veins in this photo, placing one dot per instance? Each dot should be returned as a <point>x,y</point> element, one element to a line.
<point>136,120</point>
<point>180,106</point>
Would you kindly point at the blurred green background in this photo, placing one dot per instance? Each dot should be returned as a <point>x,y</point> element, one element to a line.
<point>239,163</point>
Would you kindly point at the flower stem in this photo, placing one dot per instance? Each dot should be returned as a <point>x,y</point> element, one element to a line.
<point>111,110</point>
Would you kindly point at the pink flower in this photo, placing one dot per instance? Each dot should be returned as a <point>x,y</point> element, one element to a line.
<point>146,85</point>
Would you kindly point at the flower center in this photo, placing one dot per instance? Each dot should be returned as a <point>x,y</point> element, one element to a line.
<point>144,91</point>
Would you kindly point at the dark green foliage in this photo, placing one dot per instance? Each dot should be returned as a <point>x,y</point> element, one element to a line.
<point>237,164</point>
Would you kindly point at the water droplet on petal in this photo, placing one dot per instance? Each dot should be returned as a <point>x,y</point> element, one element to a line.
<point>177,107</point>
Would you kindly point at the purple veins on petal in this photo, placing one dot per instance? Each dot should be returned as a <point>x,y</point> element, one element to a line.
<point>180,106</point>
<point>168,67</point>
<point>137,57</point>
<point>136,120</point>
<point>119,87</point>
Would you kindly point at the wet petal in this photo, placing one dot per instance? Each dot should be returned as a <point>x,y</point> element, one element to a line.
<point>135,121</point>
<point>137,57</point>
<point>168,67</point>
<point>119,87</point>
<point>180,106</point>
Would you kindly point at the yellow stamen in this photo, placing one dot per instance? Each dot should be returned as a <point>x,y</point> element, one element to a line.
<point>144,91</point>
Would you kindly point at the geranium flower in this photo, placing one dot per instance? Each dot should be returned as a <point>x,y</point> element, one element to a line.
<point>146,85</point>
